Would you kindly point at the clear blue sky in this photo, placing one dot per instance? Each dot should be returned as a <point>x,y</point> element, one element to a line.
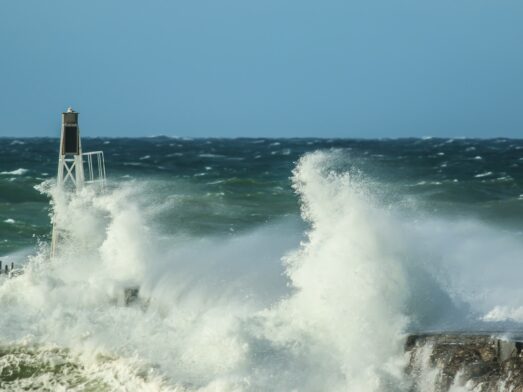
<point>363,68</point>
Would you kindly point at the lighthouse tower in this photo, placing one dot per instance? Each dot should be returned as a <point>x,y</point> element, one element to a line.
<point>76,169</point>
<point>70,161</point>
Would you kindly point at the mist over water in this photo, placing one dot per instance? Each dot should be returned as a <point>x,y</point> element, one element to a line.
<point>305,275</point>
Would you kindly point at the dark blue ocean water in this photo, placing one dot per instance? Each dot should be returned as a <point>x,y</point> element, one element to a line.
<point>233,184</point>
<point>261,264</point>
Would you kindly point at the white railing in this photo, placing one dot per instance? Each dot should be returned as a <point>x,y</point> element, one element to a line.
<point>95,168</point>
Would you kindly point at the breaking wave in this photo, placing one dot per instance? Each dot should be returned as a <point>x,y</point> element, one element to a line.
<point>273,309</point>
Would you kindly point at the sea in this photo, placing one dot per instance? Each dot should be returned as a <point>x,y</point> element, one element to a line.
<point>254,264</point>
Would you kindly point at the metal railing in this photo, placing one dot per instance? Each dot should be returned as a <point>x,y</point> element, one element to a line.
<point>94,162</point>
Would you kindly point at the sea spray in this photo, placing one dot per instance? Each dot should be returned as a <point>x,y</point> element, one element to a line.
<point>191,329</point>
<point>225,314</point>
<point>337,325</point>
<point>345,314</point>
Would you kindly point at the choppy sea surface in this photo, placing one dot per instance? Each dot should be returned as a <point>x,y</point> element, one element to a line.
<point>263,264</point>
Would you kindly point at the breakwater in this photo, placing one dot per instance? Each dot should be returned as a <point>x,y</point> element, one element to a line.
<point>474,362</point>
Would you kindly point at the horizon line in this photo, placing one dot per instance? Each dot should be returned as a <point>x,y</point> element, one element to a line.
<point>278,138</point>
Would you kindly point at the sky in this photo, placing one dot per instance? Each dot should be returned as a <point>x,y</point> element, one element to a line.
<point>272,68</point>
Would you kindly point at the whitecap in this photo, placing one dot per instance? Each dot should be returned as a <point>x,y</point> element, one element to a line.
<point>428,183</point>
<point>17,172</point>
<point>486,174</point>
<point>211,156</point>
<point>133,164</point>
<point>215,182</point>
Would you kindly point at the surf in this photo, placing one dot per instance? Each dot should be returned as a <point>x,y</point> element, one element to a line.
<point>328,306</point>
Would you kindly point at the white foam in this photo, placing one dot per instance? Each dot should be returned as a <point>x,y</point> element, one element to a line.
<point>346,313</point>
<point>505,313</point>
<point>485,174</point>
<point>17,172</point>
<point>225,314</point>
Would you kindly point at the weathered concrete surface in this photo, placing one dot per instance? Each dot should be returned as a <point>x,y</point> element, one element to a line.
<point>478,362</point>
